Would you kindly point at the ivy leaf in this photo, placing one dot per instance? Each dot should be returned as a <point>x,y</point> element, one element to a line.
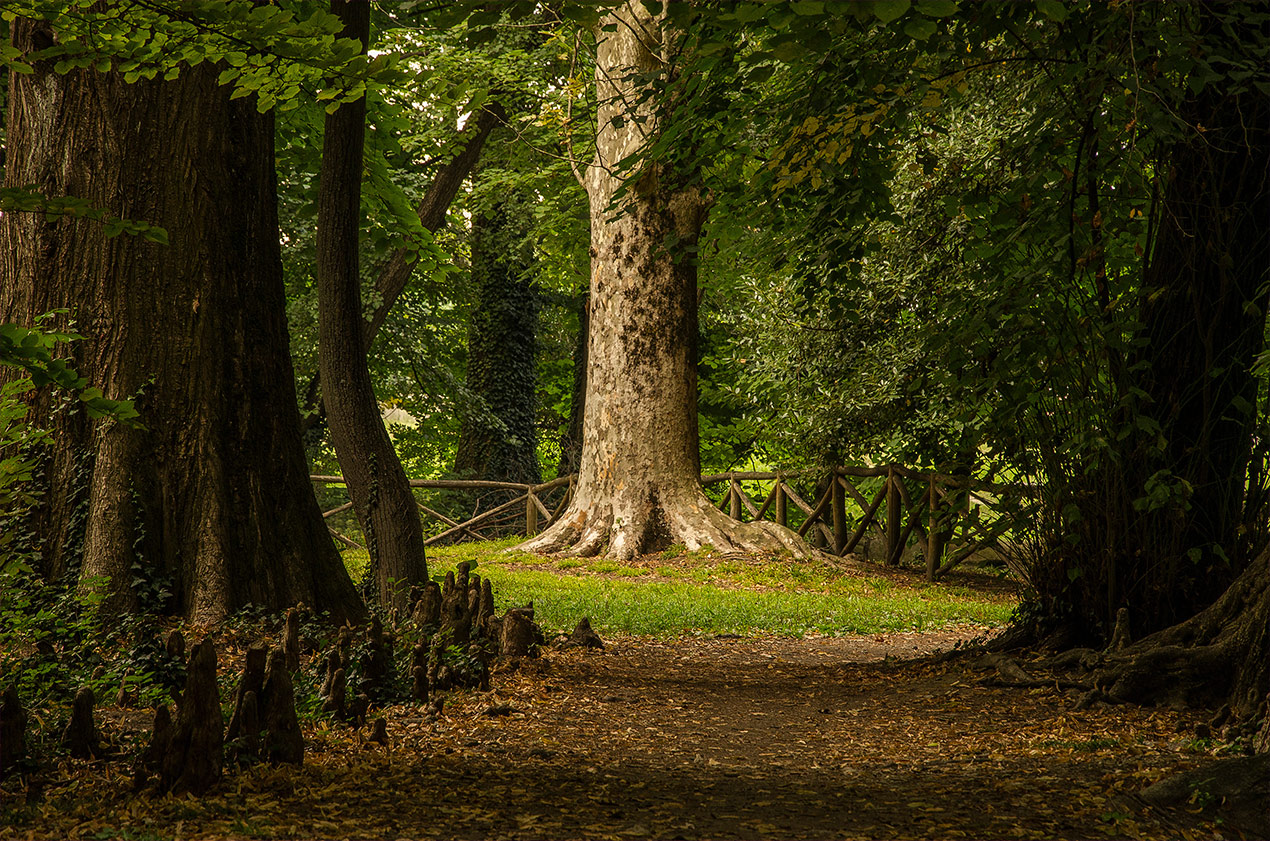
<point>807,7</point>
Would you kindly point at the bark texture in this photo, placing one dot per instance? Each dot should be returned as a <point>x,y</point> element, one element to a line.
<point>212,496</point>
<point>1219,657</point>
<point>638,487</point>
<point>377,484</point>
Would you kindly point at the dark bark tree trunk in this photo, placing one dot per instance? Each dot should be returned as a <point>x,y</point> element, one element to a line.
<point>499,439</point>
<point>571,441</point>
<point>1204,308</point>
<point>1219,656</point>
<point>1166,525</point>
<point>638,487</point>
<point>377,484</point>
<point>213,493</point>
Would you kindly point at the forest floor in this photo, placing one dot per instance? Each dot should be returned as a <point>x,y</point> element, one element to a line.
<point>819,737</point>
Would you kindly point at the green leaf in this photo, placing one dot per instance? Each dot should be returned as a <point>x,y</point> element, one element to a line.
<point>891,10</point>
<point>937,8</point>
<point>1052,9</point>
<point>807,7</point>
<point>919,29</point>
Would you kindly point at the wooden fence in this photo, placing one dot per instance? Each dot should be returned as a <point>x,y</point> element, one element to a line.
<point>952,517</point>
<point>531,504</point>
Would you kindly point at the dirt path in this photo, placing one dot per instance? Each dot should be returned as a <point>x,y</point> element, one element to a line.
<point>721,738</point>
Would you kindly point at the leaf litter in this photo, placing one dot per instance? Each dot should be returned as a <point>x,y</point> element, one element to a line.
<point>820,737</point>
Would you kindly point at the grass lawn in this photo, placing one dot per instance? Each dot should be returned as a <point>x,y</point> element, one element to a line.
<point>678,593</point>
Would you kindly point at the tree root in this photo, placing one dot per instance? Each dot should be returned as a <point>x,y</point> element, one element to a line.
<point>622,530</point>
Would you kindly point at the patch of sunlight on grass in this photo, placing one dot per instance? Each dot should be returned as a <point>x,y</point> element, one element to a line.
<point>709,595</point>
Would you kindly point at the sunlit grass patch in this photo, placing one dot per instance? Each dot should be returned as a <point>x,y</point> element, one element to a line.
<point>708,594</point>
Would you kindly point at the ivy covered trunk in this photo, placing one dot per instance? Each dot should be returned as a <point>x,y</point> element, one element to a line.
<point>498,440</point>
<point>211,499</point>
<point>638,487</point>
<point>377,483</point>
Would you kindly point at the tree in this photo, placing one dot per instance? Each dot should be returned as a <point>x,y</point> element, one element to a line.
<point>499,439</point>
<point>396,271</point>
<point>211,497</point>
<point>638,487</point>
<point>377,484</point>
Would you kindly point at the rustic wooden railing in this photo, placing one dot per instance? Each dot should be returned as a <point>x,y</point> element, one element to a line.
<point>529,504</point>
<point>953,517</point>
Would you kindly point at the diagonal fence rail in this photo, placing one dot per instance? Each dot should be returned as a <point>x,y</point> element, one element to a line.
<point>951,517</point>
<point>948,518</point>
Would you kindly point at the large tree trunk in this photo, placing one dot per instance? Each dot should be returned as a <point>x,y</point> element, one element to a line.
<point>377,484</point>
<point>638,487</point>
<point>1219,656</point>
<point>499,439</point>
<point>1203,307</point>
<point>1205,301</point>
<point>213,494</point>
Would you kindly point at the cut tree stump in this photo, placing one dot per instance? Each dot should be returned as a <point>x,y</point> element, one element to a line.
<point>336,700</point>
<point>419,671</point>
<point>379,731</point>
<point>123,698</point>
<point>284,743</point>
<point>456,613</point>
<point>160,739</point>
<point>246,741</point>
<point>485,610</point>
<point>376,661</point>
<point>195,755</point>
<point>584,637</point>
<point>520,633</point>
<point>12,731</point>
<point>253,681</point>
<point>80,737</point>
<point>333,665</point>
<point>427,610</point>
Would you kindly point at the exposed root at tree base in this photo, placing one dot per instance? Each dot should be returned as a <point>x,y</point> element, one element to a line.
<point>623,531</point>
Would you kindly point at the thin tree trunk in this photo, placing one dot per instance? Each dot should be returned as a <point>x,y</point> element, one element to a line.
<point>638,487</point>
<point>400,265</point>
<point>211,499</point>
<point>377,483</point>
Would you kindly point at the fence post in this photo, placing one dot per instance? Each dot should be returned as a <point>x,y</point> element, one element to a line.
<point>932,532</point>
<point>894,518</point>
<point>782,513</point>
<point>531,514</point>
<point>734,498</point>
<point>839,504</point>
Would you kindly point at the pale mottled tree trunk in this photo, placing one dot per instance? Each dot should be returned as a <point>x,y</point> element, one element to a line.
<point>638,486</point>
